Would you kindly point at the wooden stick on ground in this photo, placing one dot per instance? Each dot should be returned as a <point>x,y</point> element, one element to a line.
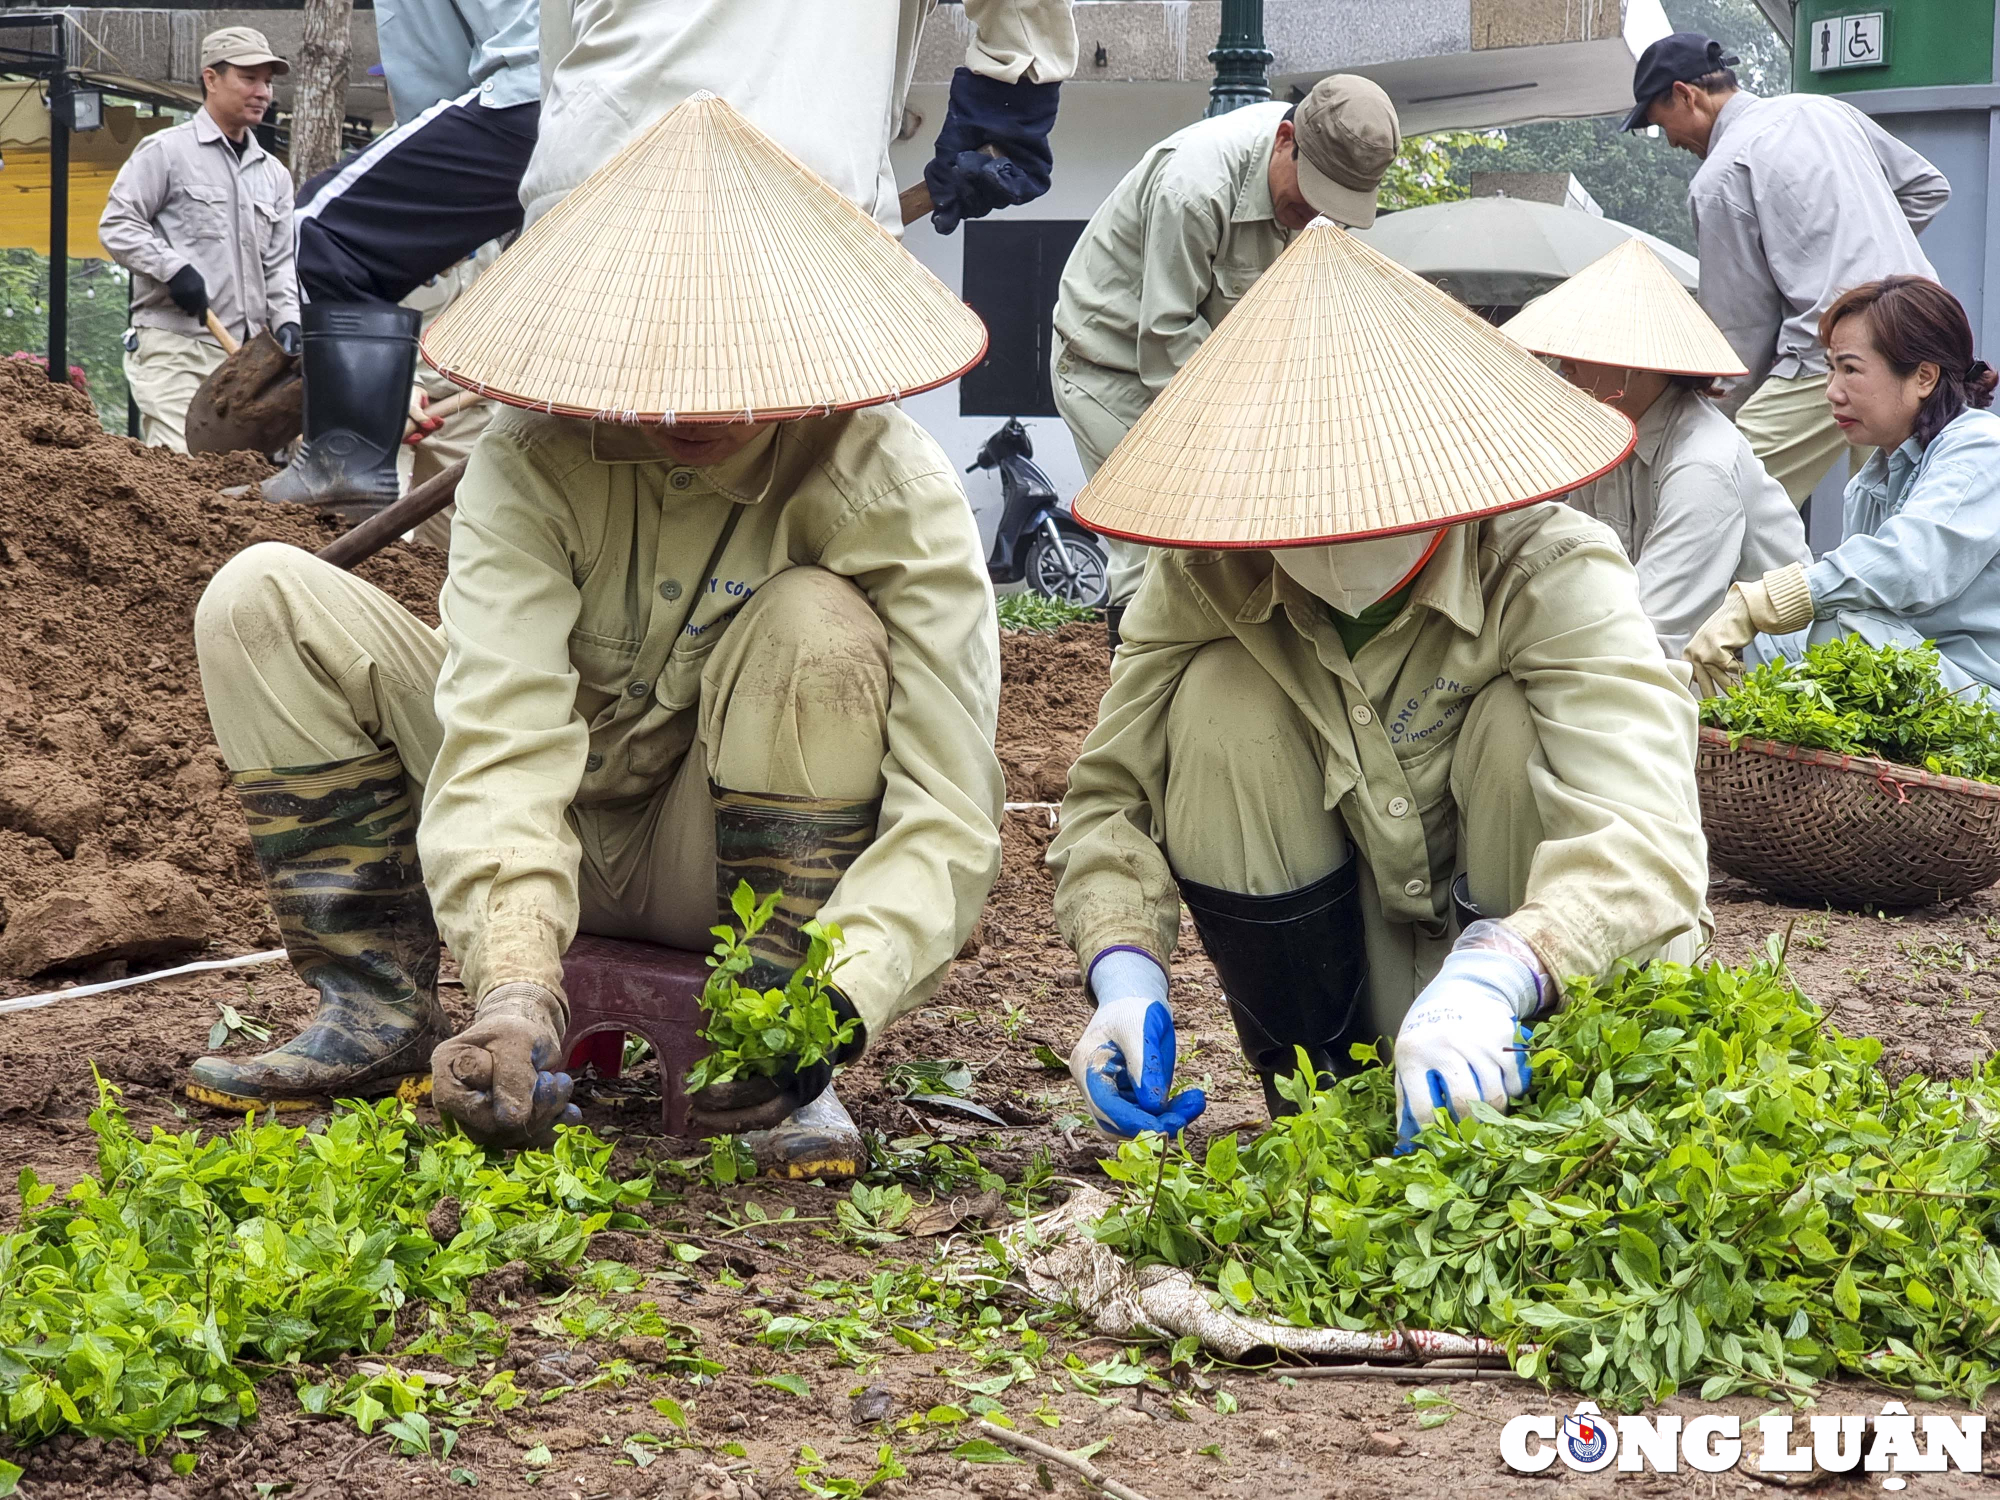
<point>1079,1466</point>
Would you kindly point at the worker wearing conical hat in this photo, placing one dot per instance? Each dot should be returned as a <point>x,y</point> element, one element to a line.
<point>1401,739</point>
<point>1183,236</point>
<point>1692,506</point>
<point>715,612</point>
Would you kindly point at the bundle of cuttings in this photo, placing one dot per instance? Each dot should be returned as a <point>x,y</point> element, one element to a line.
<point>1708,1185</point>
<point>1856,699</point>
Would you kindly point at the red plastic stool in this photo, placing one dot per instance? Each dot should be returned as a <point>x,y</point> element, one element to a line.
<point>616,986</point>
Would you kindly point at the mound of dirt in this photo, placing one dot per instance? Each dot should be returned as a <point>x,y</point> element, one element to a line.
<point>106,759</point>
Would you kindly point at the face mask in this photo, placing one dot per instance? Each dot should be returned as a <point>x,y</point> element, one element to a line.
<point>1353,575</point>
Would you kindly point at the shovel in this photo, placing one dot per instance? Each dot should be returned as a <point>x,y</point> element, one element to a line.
<point>254,399</point>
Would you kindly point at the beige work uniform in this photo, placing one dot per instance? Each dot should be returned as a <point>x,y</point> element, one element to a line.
<point>810,617</point>
<point>1176,245</point>
<point>1791,429</point>
<point>1695,511</point>
<point>164,369</point>
<point>453,441</point>
<point>186,198</point>
<point>1516,722</point>
<point>826,79</point>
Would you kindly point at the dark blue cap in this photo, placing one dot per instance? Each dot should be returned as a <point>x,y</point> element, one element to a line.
<point>1680,58</point>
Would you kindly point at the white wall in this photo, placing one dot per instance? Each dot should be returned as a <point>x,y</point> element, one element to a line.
<point>1101,130</point>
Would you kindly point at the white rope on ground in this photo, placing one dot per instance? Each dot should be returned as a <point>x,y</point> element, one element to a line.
<point>244,961</point>
<point>1051,808</point>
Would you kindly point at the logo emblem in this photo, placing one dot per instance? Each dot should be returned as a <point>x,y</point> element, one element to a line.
<point>1587,1442</point>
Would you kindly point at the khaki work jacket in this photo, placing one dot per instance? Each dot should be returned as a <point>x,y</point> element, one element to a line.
<point>1175,246</point>
<point>588,584</point>
<point>825,79</point>
<point>1541,594</point>
<point>184,198</point>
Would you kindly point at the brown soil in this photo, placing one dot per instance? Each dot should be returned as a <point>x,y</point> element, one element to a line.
<point>98,578</point>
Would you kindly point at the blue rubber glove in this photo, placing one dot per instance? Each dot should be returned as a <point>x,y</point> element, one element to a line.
<point>1463,1039</point>
<point>1124,1061</point>
<point>967,183</point>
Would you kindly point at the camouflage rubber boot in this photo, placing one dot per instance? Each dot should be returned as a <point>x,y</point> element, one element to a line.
<point>800,847</point>
<point>338,845</point>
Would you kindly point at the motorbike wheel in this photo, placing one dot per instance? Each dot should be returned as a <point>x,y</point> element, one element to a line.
<point>1087,580</point>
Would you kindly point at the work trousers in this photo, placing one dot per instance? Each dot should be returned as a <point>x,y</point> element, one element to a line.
<point>1246,811</point>
<point>164,370</point>
<point>303,663</point>
<point>1100,405</point>
<point>1790,428</point>
<point>414,203</point>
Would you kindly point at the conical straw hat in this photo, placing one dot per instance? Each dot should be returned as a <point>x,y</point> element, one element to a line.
<point>1625,309</point>
<point>704,273</point>
<point>1346,397</point>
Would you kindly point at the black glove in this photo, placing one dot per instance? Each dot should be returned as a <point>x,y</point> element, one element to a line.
<point>189,291</point>
<point>287,335</point>
<point>756,1103</point>
<point>967,183</point>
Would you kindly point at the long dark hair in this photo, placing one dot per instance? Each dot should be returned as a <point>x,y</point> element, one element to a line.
<point>1914,321</point>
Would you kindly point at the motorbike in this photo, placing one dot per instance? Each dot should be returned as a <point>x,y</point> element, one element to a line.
<point>1037,541</point>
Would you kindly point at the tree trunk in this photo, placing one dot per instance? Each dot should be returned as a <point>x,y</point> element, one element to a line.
<point>319,88</point>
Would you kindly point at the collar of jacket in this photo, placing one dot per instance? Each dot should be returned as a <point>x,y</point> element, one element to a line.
<point>1253,196</point>
<point>744,477</point>
<point>1740,103</point>
<point>1889,473</point>
<point>209,133</point>
<point>1654,424</point>
<point>1449,584</point>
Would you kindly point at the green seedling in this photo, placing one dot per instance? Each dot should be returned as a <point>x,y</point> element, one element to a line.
<point>758,1033</point>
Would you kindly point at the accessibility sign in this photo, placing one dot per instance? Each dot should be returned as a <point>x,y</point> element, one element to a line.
<point>1855,41</point>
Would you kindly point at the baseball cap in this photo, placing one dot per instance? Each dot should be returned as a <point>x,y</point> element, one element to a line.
<point>1347,135</point>
<point>242,46</point>
<point>1680,58</point>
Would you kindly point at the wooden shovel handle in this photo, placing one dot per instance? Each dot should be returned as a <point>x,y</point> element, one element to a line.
<point>389,523</point>
<point>229,345</point>
<point>916,198</point>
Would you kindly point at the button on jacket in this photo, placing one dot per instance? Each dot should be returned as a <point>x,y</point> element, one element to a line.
<point>825,78</point>
<point>1800,199</point>
<point>573,673</point>
<point>438,50</point>
<point>1695,512</point>
<point>184,198</point>
<point>1540,594</point>
<point>1175,246</point>
<point>1921,532</point>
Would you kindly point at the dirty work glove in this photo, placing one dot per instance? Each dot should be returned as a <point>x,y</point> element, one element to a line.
<point>756,1103</point>
<point>968,183</point>
<point>290,341</point>
<point>1777,604</point>
<point>1463,1039</point>
<point>1124,1061</point>
<point>494,1077</point>
<point>189,291</point>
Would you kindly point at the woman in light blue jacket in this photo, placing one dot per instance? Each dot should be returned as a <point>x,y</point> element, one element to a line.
<point>1919,558</point>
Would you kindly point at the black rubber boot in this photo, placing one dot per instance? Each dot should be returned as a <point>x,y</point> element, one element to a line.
<point>359,360</point>
<point>1295,971</point>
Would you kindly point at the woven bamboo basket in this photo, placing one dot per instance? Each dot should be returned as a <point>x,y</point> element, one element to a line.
<point>1848,830</point>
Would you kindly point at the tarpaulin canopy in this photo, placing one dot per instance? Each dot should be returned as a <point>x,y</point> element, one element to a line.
<point>94,159</point>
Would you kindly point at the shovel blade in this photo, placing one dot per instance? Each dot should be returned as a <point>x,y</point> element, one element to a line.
<point>254,399</point>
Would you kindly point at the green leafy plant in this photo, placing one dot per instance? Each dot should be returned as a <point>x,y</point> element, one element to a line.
<point>1857,699</point>
<point>815,1480</point>
<point>1708,1185</point>
<point>760,1032</point>
<point>1039,613</point>
<point>156,1291</point>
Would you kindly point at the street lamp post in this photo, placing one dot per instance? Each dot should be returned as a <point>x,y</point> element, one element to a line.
<point>1240,58</point>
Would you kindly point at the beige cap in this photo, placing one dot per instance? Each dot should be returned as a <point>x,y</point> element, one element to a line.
<point>241,46</point>
<point>704,274</point>
<point>1347,134</point>
<point>1625,309</point>
<point>1345,397</point>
